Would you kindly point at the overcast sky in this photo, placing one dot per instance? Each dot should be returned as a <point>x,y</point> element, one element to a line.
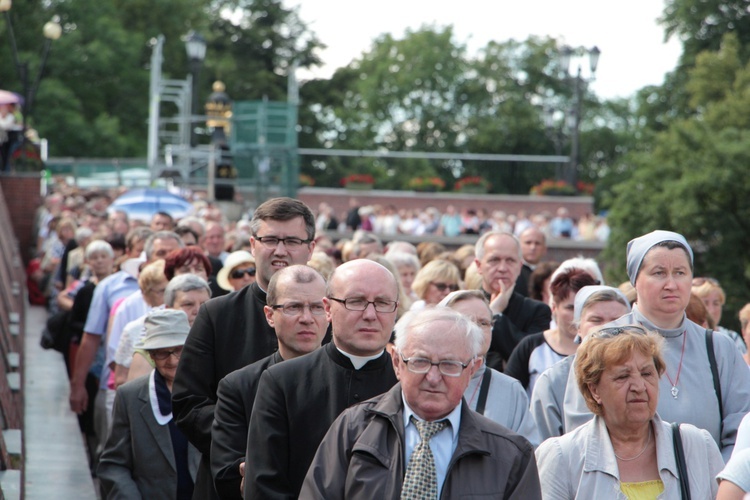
<point>633,52</point>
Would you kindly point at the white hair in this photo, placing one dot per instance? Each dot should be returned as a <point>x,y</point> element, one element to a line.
<point>421,321</point>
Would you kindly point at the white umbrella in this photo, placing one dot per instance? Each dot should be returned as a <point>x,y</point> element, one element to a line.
<point>143,203</point>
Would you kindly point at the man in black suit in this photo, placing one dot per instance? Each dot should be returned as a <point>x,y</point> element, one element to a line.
<point>533,250</point>
<point>231,332</point>
<point>297,313</point>
<point>498,259</point>
<point>298,400</point>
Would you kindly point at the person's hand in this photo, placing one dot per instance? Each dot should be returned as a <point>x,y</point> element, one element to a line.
<point>79,399</point>
<point>499,301</point>
<point>242,473</point>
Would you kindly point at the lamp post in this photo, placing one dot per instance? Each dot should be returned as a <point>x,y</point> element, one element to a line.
<point>51,31</point>
<point>580,83</point>
<point>195,45</point>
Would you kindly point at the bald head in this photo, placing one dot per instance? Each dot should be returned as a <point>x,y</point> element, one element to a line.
<point>533,245</point>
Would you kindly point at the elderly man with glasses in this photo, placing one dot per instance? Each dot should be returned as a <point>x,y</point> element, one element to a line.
<point>298,400</point>
<point>421,440</point>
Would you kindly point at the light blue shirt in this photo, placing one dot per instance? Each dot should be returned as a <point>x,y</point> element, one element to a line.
<point>442,444</point>
<point>106,293</point>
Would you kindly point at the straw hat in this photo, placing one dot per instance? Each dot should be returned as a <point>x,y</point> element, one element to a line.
<point>233,260</point>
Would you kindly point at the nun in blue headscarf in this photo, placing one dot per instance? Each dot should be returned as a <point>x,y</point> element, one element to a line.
<point>710,392</point>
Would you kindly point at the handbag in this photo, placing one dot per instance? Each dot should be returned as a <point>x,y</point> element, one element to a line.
<point>679,455</point>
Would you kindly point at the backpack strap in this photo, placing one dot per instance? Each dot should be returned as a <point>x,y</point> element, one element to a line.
<point>484,389</point>
<point>715,374</point>
<point>679,455</point>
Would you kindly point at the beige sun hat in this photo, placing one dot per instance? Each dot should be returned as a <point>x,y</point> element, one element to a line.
<point>233,260</point>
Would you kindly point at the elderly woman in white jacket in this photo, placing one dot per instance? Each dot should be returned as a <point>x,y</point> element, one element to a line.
<point>626,451</point>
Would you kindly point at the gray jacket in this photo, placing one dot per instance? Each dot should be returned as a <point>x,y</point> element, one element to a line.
<point>582,463</point>
<point>362,456</point>
<point>138,459</point>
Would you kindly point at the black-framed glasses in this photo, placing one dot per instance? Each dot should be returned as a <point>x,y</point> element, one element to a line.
<point>700,280</point>
<point>444,286</point>
<point>161,354</point>
<point>297,308</point>
<point>613,331</point>
<point>447,367</point>
<point>360,304</point>
<point>239,273</point>
<point>273,241</point>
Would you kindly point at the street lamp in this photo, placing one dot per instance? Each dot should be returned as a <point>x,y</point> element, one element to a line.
<point>579,85</point>
<point>51,31</point>
<point>195,45</point>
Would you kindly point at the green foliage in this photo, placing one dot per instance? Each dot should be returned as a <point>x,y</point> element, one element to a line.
<point>691,180</point>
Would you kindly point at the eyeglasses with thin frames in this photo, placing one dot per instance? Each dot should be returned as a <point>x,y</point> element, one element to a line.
<point>360,304</point>
<point>296,308</point>
<point>162,355</point>
<point>447,367</point>
<point>700,280</point>
<point>272,242</point>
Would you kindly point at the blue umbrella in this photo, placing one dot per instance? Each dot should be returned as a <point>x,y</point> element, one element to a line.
<point>143,203</point>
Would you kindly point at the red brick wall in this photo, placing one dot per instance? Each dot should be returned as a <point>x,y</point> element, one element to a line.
<point>23,198</point>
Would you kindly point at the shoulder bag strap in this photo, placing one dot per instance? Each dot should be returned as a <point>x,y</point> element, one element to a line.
<point>483,390</point>
<point>679,455</point>
<point>715,374</point>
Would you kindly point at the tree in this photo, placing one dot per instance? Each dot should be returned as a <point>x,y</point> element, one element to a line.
<point>690,181</point>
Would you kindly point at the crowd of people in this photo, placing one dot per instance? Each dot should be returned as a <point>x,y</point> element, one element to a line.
<point>265,359</point>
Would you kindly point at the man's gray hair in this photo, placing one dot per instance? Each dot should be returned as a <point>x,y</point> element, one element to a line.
<point>479,246</point>
<point>184,283</point>
<point>299,274</point>
<point>83,233</point>
<point>422,321</point>
<point>161,235</point>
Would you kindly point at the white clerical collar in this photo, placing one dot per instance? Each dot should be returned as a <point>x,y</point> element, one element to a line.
<point>453,418</point>
<point>359,361</point>
<point>154,400</point>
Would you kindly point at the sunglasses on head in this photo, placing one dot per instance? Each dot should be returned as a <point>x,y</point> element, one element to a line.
<point>613,331</point>
<point>239,273</point>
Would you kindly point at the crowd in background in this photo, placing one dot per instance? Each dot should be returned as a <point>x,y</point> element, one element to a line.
<point>535,315</point>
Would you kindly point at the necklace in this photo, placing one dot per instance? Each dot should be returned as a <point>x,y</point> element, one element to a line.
<point>675,391</point>
<point>648,441</point>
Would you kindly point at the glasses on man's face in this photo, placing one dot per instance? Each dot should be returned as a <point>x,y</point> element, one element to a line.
<point>613,331</point>
<point>444,286</point>
<point>290,243</point>
<point>297,308</point>
<point>163,354</point>
<point>447,367</point>
<point>702,280</point>
<point>239,273</point>
<point>359,304</point>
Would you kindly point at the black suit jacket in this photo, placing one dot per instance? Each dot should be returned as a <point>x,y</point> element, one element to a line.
<point>296,403</point>
<point>230,332</point>
<point>522,282</point>
<point>236,395</point>
<point>521,317</point>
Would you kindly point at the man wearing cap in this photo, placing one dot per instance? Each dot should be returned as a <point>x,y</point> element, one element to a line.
<point>499,260</point>
<point>296,312</point>
<point>231,332</point>
<point>298,400</point>
<point>146,455</point>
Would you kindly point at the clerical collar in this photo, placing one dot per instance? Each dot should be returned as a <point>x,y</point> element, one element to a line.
<point>359,361</point>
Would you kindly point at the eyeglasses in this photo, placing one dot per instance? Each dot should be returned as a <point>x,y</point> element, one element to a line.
<point>483,323</point>
<point>444,286</point>
<point>701,280</point>
<point>613,331</point>
<point>296,308</point>
<point>358,304</point>
<point>239,273</point>
<point>272,241</point>
<point>449,368</point>
<point>161,355</point>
